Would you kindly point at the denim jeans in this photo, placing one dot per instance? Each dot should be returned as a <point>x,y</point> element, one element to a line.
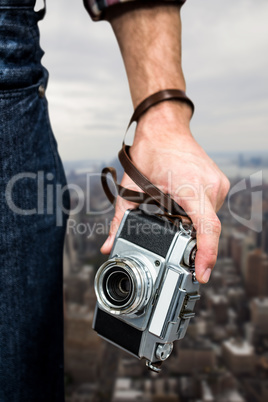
<point>31,218</point>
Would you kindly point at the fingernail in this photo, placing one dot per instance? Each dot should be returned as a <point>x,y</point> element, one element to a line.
<point>206,275</point>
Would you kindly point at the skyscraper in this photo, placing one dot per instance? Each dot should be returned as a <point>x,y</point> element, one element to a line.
<point>256,279</point>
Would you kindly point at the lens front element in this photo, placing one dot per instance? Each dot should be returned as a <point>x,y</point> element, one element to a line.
<point>118,286</point>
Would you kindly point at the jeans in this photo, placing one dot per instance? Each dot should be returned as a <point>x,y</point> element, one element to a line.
<point>31,218</point>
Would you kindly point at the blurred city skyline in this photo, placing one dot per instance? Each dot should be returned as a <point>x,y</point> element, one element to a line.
<point>225,65</point>
<point>224,355</point>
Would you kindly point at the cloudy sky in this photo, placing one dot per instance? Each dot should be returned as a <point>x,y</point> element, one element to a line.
<point>225,60</point>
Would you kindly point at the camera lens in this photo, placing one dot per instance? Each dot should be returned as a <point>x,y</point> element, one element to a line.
<point>123,286</point>
<point>118,286</point>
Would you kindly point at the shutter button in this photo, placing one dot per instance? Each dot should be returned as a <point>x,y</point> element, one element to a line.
<point>41,91</point>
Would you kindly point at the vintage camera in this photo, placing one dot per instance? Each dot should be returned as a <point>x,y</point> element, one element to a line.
<point>147,290</point>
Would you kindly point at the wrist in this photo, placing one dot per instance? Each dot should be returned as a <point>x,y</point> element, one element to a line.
<point>166,121</point>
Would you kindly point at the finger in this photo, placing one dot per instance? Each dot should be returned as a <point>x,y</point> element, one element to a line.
<point>120,208</point>
<point>208,230</point>
<point>107,246</point>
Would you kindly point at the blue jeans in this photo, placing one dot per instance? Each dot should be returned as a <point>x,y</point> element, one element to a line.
<point>31,218</point>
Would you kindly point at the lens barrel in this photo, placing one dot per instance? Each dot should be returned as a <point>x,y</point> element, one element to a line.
<point>123,286</point>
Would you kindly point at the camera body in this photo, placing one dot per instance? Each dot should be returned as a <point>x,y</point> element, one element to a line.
<point>147,290</point>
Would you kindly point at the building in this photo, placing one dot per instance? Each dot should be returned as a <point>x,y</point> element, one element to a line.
<point>236,246</point>
<point>256,278</point>
<point>248,245</point>
<point>207,394</point>
<point>263,237</point>
<point>239,356</point>
<point>196,355</point>
<point>259,315</point>
<point>83,393</point>
<point>231,396</point>
<point>130,366</point>
<point>219,306</point>
<point>125,391</point>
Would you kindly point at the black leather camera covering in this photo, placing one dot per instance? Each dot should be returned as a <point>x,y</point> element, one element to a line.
<point>117,331</point>
<point>148,231</point>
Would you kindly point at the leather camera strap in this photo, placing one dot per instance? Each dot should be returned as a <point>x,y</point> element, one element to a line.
<point>166,94</point>
<point>151,194</point>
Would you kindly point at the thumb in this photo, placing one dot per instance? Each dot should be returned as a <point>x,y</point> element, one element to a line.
<point>120,208</point>
<point>108,244</point>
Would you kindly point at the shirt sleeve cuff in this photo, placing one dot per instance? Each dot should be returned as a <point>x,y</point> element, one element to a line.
<point>97,8</point>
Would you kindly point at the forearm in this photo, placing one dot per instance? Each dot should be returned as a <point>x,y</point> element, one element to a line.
<point>164,149</point>
<point>150,43</point>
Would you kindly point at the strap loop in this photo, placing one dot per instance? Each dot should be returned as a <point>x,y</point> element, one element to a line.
<point>151,194</point>
<point>152,100</point>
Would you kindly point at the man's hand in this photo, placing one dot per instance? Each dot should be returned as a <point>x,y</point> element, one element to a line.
<point>179,166</point>
<point>164,149</point>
